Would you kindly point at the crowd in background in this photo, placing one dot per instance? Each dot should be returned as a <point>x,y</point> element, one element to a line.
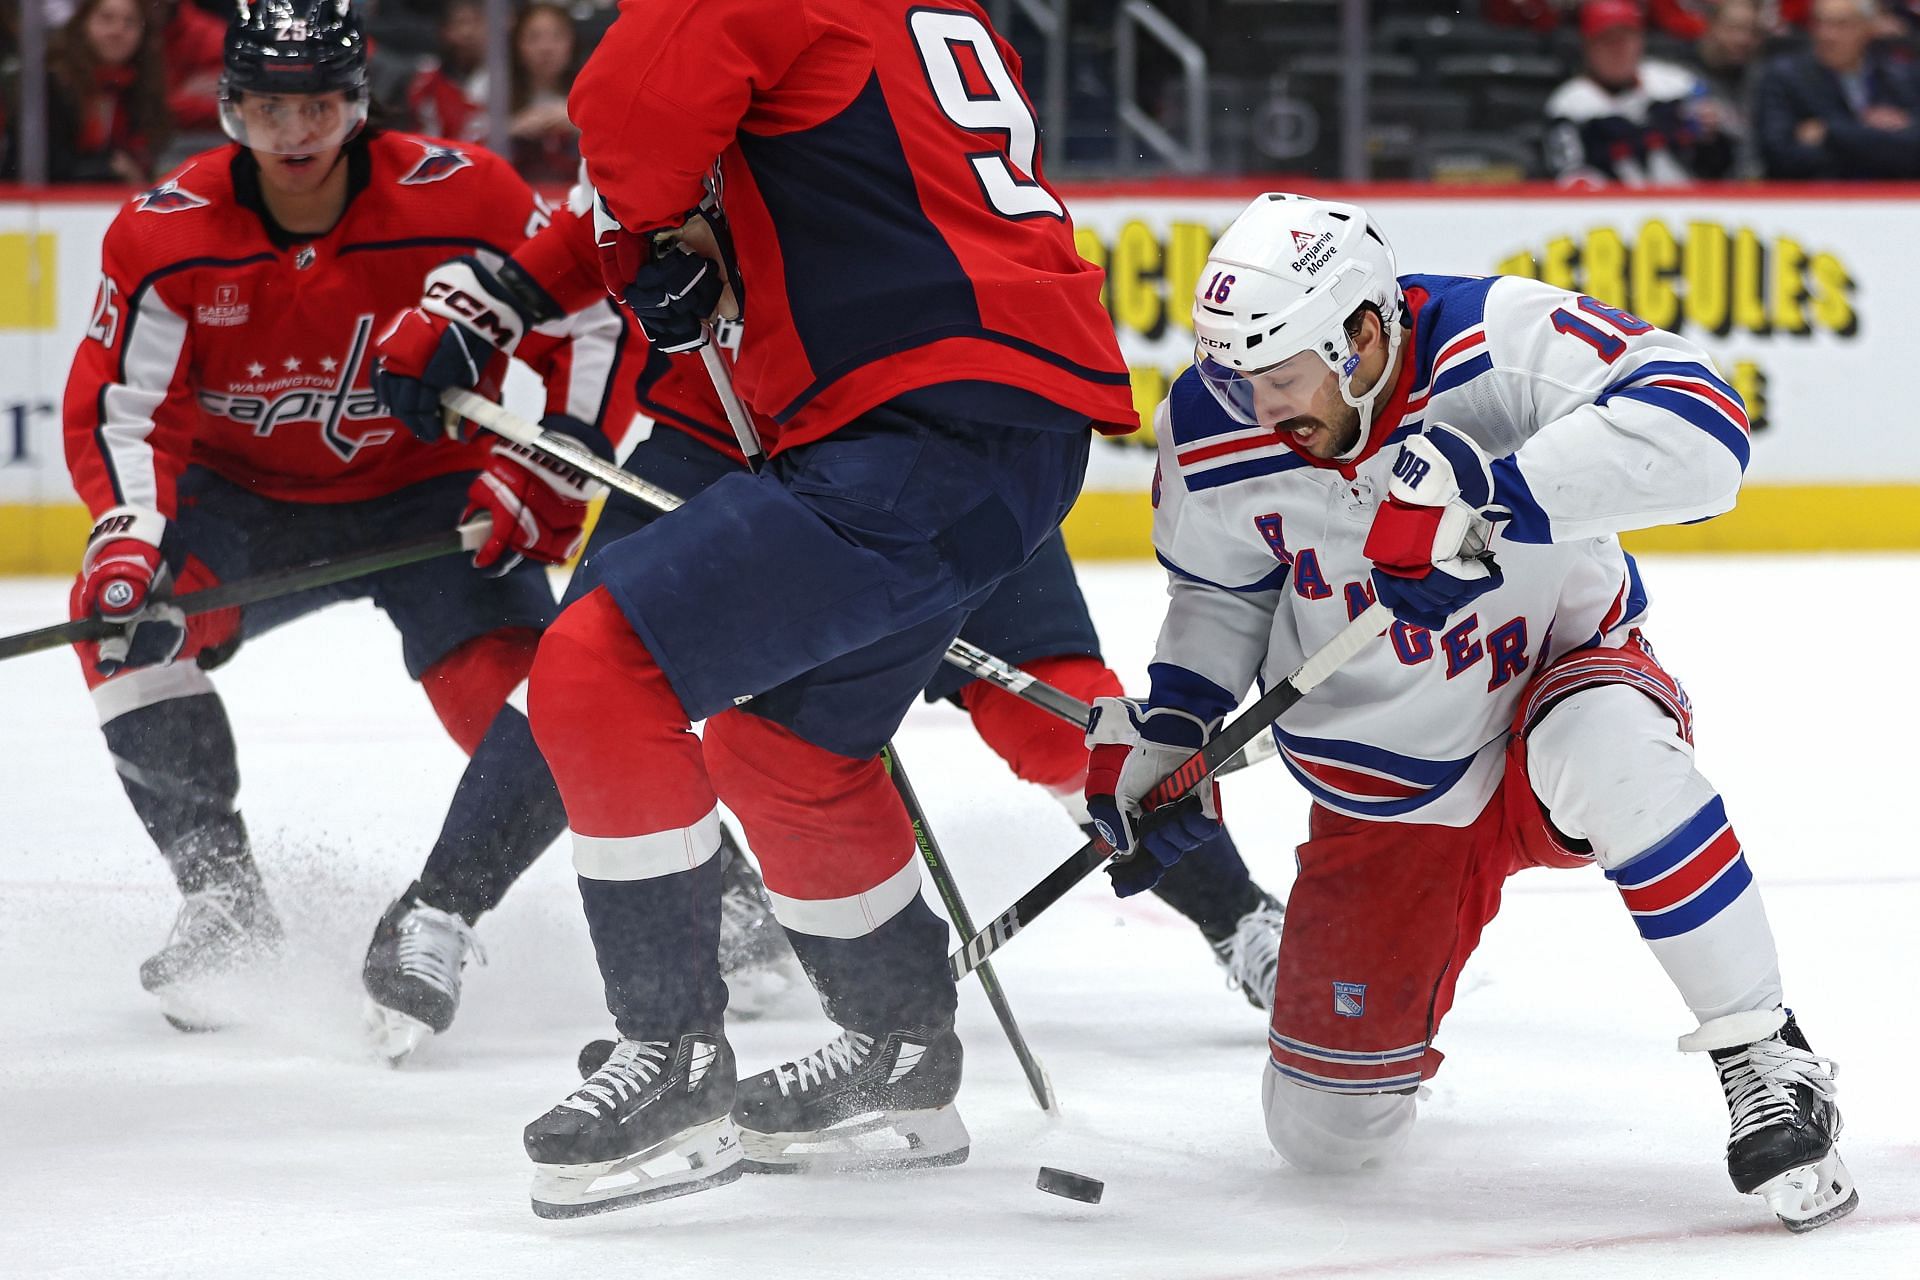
<point>1655,91</point>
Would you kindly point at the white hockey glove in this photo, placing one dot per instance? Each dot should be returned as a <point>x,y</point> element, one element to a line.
<point>1133,747</point>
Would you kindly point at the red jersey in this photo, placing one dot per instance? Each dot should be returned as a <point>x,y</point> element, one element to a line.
<point>221,340</point>
<point>879,165</point>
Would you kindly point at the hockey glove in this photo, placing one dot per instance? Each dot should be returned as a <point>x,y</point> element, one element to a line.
<point>467,323</point>
<point>1133,747</point>
<point>671,289</point>
<point>538,503</point>
<point>124,578</point>
<point>1429,538</point>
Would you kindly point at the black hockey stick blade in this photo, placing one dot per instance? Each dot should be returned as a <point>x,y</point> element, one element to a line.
<point>1162,803</point>
<point>266,586</point>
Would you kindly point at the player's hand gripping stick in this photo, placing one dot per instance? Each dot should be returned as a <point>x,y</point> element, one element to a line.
<point>1163,803</point>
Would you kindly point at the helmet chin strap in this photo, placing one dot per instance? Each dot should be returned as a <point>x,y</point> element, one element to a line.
<point>1365,403</point>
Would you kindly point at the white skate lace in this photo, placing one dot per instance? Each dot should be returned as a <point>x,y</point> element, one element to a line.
<point>823,1064</point>
<point>1757,1082</point>
<point>1252,955</point>
<point>628,1070</point>
<point>433,946</point>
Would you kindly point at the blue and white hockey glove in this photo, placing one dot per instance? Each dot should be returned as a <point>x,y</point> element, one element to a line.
<point>1133,747</point>
<point>1429,538</point>
<point>672,290</point>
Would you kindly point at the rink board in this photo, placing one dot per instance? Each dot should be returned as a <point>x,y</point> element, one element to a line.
<point>1800,295</point>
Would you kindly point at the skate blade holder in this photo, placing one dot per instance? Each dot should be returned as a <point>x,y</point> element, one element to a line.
<point>678,1166</point>
<point>1811,1196</point>
<point>888,1142</point>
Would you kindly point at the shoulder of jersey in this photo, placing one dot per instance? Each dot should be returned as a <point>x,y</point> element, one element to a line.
<point>1580,99</point>
<point>425,185</point>
<point>188,213</point>
<point>1666,81</point>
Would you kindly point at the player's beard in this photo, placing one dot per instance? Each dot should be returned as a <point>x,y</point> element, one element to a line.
<point>1333,436</point>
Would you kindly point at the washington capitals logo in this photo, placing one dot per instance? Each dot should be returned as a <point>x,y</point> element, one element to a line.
<point>169,197</point>
<point>437,164</point>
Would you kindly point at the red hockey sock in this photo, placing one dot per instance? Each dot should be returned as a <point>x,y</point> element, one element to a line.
<point>1038,745</point>
<point>470,685</point>
<point>612,730</point>
<point>824,826</point>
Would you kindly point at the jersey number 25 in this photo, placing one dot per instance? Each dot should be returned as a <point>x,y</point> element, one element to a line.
<point>944,38</point>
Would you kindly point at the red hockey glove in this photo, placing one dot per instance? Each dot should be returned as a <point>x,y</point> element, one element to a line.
<point>467,323</point>
<point>122,575</point>
<point>1429,538</point>
<point>538,503</point>
<point>1133,747</point>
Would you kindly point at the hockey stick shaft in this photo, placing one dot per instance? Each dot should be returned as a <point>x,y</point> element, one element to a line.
<point>266,586</point>
<point>1158,803</point>
<point>963,922</point>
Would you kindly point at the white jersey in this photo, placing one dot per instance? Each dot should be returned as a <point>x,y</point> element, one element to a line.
<point>1598,423</point>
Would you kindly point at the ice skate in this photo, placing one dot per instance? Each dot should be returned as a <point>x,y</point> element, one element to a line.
<point>652,1122</point>
<point>1251,953</point>
<point>220,930</point>
<point>858,1104</point>
<point>1784,1120</point>
<point>412,975</point>
<point>755,957</point>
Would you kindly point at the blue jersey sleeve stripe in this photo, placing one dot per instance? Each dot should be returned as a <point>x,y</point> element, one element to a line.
<point>1175,686</point>
<point>1461,374</point>
<point>1669,369</point>
<point>1272,582</point>
<point>1530,521</point>
<point>1700,414</point>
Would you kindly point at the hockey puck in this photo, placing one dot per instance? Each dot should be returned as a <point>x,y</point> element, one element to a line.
<point>1058,1182</point>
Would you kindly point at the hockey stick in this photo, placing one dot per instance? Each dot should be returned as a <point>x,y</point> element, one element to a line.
<point>265,586</point>
<point>963,922</point>
<point>1162,802</point>
<point>976,662</point>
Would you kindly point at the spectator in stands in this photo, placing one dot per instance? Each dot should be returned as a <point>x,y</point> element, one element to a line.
<point>1728,56</point>
<point>1628,119</point>
<point>448,98</point>
<point>546,146</point>
<point>1839,109</point>
<point>192,52</point>
<point>1686,19</point>
<point>106,95</point>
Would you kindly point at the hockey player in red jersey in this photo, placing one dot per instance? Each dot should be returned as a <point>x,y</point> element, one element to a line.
<point>219,422</point>
<point>1036,619</point>
<point>929,354</point>
<point>1465,450</point>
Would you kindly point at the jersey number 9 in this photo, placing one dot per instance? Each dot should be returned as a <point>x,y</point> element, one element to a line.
<point>991,105</point>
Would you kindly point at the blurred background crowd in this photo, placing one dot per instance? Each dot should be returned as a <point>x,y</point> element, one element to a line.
<point>1582,92</point>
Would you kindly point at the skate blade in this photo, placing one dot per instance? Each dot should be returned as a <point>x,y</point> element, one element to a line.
<point>886,1142</point>
<point>192,1013</point>
<point>1813,1195</point>
<point>394,1034</point>
<point>696,1160</point>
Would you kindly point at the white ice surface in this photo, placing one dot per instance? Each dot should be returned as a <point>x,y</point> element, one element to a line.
<point>1565,1134</point>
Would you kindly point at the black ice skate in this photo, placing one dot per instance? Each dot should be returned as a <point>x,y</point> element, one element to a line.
<point>1251,953</point>
<point>651,1123</point>
<point>857,1104</point>
<point>219,931</point>
<point>1784,1120</point>
<point>755,957</point>
<point>412,975</point>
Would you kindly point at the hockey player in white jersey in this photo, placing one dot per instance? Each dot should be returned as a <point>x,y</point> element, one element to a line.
<point>1466,450</point>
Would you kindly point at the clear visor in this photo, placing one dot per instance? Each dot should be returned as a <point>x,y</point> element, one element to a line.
<point>292,124</point>
<point>1264,396</point>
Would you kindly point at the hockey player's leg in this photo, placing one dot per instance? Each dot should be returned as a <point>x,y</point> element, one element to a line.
<point>1320,1132</point>
<point>1611,767</point>
<point>655,1119</point>
<point>504,814</point>
<point>1210,886</point>
<point>173,749</point>
<point>838,854</point>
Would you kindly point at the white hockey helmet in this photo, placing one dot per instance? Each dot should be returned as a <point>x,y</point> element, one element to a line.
<point>1282,281</point>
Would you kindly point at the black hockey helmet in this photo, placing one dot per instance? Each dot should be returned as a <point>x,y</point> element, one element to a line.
<point>287,47</point>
